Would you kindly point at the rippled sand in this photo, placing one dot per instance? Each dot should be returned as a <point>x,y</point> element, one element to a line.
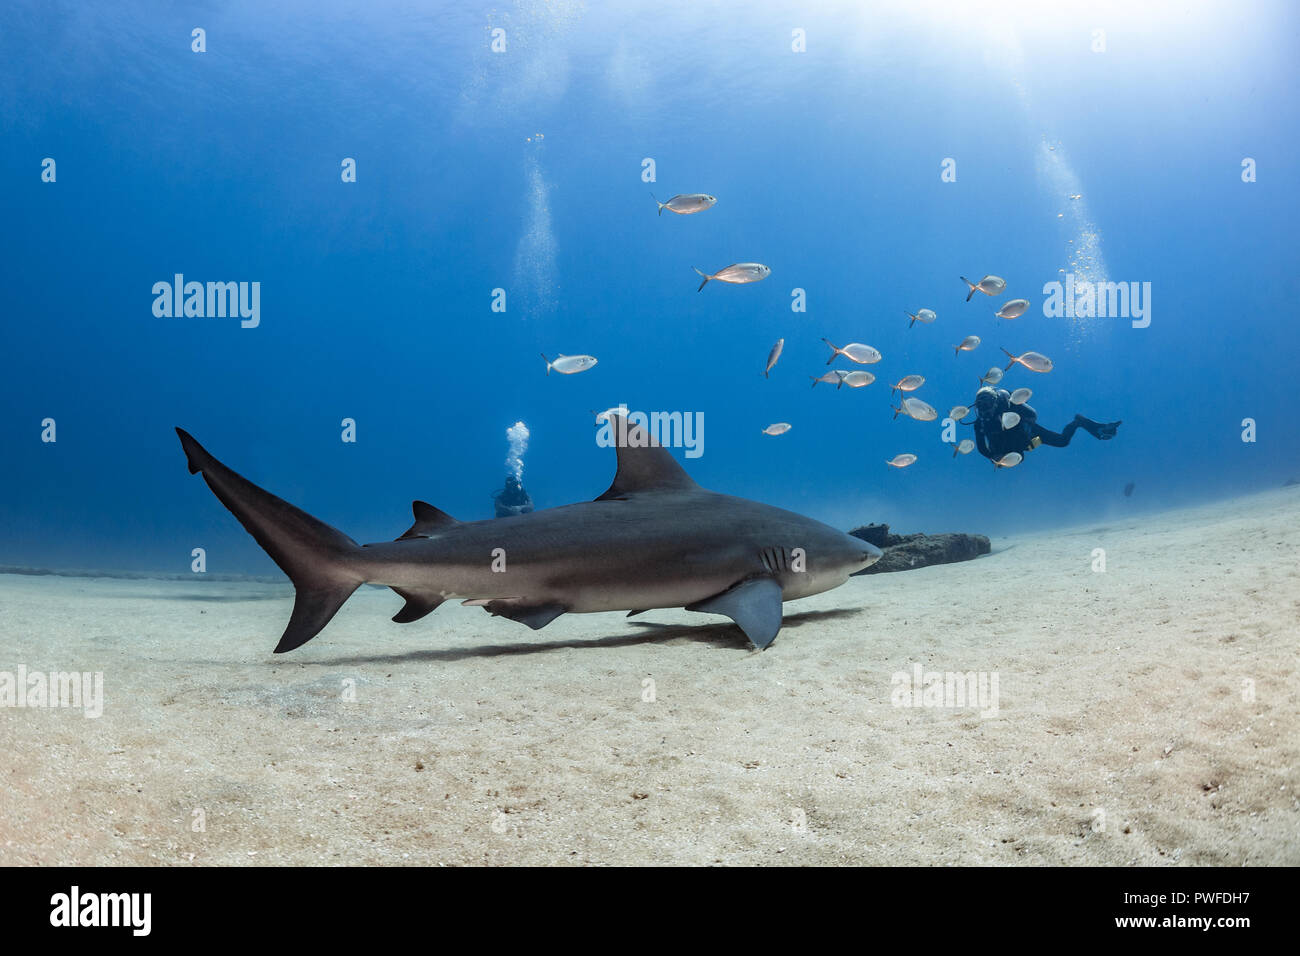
<point>1149,714</point>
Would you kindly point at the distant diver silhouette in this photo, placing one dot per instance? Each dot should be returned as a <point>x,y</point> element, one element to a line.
<point>994,441</point>
<point>512,499</point>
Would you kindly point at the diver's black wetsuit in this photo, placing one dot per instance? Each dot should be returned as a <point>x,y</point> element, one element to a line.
<point>994,441</point>
<point>512,499</point>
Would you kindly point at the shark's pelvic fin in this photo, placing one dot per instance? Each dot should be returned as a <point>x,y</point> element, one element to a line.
<point>643,465</point>
<point>754,604</point>
<point>536,616</point>
<point>418,604</point>
<point>317,558</point>
<point>428,521</point>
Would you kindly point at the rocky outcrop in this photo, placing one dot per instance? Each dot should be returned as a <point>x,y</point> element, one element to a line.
<point>903,552</point>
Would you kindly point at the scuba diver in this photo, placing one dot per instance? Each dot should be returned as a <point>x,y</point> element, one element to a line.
<point>994,441</point>
<point>512,499</point>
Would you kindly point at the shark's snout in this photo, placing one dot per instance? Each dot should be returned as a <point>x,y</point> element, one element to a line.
<point>870,554</point>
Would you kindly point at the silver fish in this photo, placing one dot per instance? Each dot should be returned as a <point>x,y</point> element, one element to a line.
<point>834,375</point>
<point>1020,396</point>
<point>992,376</point>
<point>989,285</point>
<point>569,364</point>
<point>1010,420</point>
<point>773,355</point>
<point>737,274</point>
<point>854,352</point>
<point>1013,309</point>
<point>1034,361</point>
<point>780,428</point>
<point>902,461</point>
<point>964,448</point>
<point>925,316</point>
<point>958,412</point>
<point>1009,460</point>
<point>855,379</point>
<point>686,203</point>
<point>969,344</point>
<point>917,409</point>
<point>908,383</point>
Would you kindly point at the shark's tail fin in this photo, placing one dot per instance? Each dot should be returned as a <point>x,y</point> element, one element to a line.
<point>316,557</point>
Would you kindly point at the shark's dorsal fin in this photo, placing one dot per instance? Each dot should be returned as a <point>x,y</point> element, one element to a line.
<point>428,521</point>
<point>643,465</point>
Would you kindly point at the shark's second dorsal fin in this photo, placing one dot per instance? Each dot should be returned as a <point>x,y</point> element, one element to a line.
<point>428,521</point>
<point>643,465</point>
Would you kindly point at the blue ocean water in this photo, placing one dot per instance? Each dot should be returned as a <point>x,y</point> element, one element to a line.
<point>824,130</point>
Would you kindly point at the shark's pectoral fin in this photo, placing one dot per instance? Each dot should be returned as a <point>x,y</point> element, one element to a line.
<point>755,606</point>
<point>536,616</point>
<point>418,604</point>
<point>635,613</point>
<point>428,522</point>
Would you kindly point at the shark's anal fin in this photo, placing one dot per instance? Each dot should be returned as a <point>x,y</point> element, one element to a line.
<point>428,521</point>
<point>418,604</point>
<point>754,604</point>
<point>536,616</point>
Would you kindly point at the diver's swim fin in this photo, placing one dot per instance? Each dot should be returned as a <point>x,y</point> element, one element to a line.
<point>1102,431</point>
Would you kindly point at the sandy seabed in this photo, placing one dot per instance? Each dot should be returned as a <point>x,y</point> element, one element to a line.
<point>1149,714</point>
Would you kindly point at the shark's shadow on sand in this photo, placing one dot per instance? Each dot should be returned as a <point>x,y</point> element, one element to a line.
<point>725,636</point>
<point>206,598</point>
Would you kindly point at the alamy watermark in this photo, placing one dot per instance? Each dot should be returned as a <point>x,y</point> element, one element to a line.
<point>129,910</point>
<point>669,429</point>
<point>70,689</point>
<point>950,689</point>
<point>1075,298</point>
<point>213,300</point>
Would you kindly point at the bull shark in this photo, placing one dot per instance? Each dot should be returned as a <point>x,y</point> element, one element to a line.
<point>655,539</point>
